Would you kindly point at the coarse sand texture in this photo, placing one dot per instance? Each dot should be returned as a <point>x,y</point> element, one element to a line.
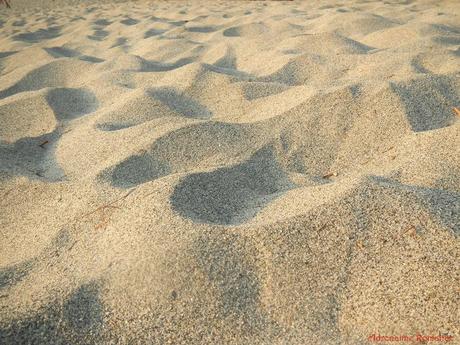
<point>229,172</point>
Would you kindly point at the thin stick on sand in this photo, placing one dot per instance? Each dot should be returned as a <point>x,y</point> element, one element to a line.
<point>456,111</point>
<point>42,145</point>
<point>104,217</point>
<point>110,204</point>
<point>331,174</point>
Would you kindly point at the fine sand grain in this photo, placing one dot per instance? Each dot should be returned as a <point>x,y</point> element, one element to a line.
<point>229,172</point>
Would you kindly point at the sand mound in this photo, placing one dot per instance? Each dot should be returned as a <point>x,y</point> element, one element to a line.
<point>119,115</point>
<point>26,116</point>
<point>195,147</point>
<point>247,30</point>
<point>68,103</point>
<point>54,74</point>
<point>354,24</point>
<point>323,43</point>
<point>229,172</point>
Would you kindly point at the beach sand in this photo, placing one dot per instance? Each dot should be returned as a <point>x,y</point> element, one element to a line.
<point>229,172</point>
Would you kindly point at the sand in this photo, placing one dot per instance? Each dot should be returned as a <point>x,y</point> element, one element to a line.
<point>229,172</point>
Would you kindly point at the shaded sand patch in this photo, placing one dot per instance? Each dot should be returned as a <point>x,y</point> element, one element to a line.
<point>39,35</point>
<point>231,195</point>
<point>70,103</point>
<point>180,103</point>
<point>428,102</point>
<point>137,170</point>
<point>80,317</point>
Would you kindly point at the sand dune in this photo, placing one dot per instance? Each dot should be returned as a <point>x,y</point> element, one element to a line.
<point>229,172</point>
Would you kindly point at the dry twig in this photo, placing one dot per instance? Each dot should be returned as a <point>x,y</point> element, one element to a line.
<point>42,145</point>
<point>110,204</point>
<point>330,175</point>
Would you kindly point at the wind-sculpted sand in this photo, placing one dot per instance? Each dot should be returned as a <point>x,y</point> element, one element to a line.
<point>229,172</point>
